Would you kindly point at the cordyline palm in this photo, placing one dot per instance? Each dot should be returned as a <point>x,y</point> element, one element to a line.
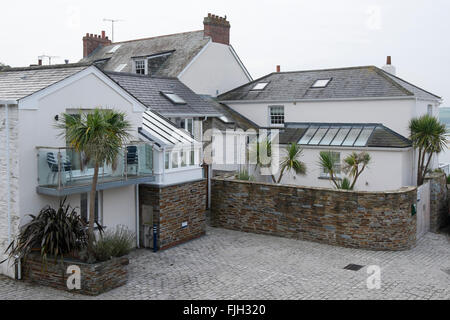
<point>291,161</point>
<point>428,135</point>
<point>100,135</point>
<point>260,151</point>
<point>354,164</point>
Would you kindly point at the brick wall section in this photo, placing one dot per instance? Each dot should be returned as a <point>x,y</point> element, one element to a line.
<point>173,205</point>
<point>95,278</point>
<point>218,28</point>
<point>369,220</point>
<point>92,41</point>
<point>14,181</point>
<point>439,210</point>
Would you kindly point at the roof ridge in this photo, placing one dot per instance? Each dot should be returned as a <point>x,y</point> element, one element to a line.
<point>383,74</point>
<point>48,67</point>
<point>149,38</point>
<point>401,79</point>
<point>326,69</point>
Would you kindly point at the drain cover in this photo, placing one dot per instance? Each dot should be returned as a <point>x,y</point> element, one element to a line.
<point>353,267</point>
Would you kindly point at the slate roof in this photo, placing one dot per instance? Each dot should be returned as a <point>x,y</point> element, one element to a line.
<point>229,117</point>
<point>353,82</point>
<point>148,91</point>
<point>184,47</point>
<point>381,136</point>
<point>18,83</point>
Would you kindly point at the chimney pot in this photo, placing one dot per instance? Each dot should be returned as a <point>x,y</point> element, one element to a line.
<point>388,60</point>
<point>278,68</point>
<point>103,34</point>
<point>39,62</point>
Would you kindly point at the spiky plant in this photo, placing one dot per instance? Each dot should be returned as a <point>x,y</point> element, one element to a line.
<point>428,136</point>
<point>291,161</point>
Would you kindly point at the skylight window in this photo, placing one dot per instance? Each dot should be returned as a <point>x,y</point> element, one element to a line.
<point>174,98</point>
<point>114,49</point>
<point>337,135</point>
<point>321,83</point>
<point>120,67</point>
<point>260,86</point>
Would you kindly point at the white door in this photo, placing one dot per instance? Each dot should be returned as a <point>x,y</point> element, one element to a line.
<point>423,210</point>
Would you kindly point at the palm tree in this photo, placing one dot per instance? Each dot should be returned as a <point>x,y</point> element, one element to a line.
<point>329,164</point>
<point>260,151</point>
<point>100,135</point>
<point>428,135</point>
<point>291,161</point>
<point>354,164</point>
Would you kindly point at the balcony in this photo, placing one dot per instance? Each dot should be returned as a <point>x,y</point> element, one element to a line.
<point>63,171</point>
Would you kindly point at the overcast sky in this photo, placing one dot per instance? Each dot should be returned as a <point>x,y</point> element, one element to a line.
<point>298,35</point>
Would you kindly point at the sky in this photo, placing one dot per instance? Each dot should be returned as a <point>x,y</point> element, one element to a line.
<point>298,35</point>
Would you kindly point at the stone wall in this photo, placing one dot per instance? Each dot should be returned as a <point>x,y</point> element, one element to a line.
<point>369,220</point>
<point>439,210</point>
<point>14,182</point>
<point>95,278</point>
<point>172,206</point>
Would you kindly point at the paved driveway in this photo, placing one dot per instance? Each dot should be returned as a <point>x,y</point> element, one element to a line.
<point>227,264</point>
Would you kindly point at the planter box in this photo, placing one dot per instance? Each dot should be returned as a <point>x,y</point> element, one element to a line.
<point>96,278</point>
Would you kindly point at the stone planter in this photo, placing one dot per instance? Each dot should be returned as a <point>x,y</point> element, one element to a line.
<point>96,278</point>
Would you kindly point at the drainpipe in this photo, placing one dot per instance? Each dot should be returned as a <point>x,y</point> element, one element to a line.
<point>8,174</point>
<point>137,215</point>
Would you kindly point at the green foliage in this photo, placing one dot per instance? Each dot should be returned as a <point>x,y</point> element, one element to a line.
<point>448,179</point>
<point>291,162</point>
<point>114,243</point>
<point>354,165</point>
<point>54,232</point>
<point>100,135</point>
<point>244,175</point>
<point>428,136</point>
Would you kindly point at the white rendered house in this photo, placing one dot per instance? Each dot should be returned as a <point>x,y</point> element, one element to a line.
<point>38,169</point>
<point>308,107</point>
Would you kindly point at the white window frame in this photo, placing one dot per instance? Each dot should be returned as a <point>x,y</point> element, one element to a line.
<point>270,116</point>
<point>145,65</point>
<point>430,110</point>
<point>338,172</point>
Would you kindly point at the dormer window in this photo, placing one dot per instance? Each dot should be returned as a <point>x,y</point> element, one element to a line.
<point>139,66</point>
<point>260,86</point>
<point>174,98</point>
<point>321,83</point>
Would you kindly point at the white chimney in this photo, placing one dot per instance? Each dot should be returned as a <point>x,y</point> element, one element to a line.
<point>389,67</point>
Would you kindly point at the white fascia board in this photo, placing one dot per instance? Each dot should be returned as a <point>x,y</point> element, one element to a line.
<point>31,102</point>
<point>239,61</point>
<point>8,102</point>
<point>315,100</point>
<point>194,59</point>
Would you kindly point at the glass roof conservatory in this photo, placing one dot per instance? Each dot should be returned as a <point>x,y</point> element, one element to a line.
<point>337,135</point>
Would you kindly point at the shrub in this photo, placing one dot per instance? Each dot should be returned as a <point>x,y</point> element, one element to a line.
<point>55,232</point>
<point>114,243</point>
<point>244,175</point>
<point>448,179</point>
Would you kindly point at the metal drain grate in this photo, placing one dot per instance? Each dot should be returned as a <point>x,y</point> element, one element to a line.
<point>353,267</point>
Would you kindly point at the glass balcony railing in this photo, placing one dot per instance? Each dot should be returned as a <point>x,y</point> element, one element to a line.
<point>60,168</point>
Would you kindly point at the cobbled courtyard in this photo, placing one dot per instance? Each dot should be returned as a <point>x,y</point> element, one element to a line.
<point>227,264</point>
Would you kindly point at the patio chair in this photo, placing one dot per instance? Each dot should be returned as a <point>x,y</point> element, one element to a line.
<point>52,162</point>
<point>132,157</point>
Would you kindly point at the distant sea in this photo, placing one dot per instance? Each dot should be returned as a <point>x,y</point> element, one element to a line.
<point>444,117</point>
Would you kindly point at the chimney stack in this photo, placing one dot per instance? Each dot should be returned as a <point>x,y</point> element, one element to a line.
<point>93,41</point>
<point>389,68</point>
<point>278,68</point>
<point>217,28</point>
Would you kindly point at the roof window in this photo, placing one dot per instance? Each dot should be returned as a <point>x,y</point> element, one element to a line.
<point>174,98</point>
<point>260,86</point>
<point>321,83</point>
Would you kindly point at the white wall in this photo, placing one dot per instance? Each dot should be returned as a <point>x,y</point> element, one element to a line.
<point>36,128</point>
<point>119,205</point>
<point>214,69</point>
<point>388,170</point>
<point>394,114</point>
